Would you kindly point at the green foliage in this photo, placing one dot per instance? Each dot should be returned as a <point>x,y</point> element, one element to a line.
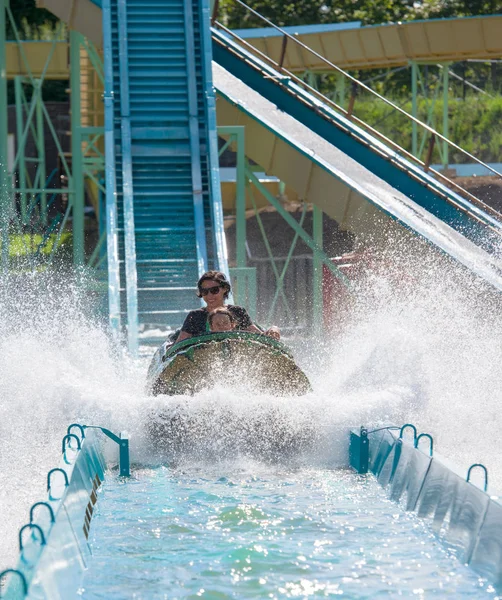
<point>27,244</point>
<point>30,21</point>
<point>369,12</point>
<point>475,124</point>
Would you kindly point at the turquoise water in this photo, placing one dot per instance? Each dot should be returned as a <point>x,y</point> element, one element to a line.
<point>264,532</point>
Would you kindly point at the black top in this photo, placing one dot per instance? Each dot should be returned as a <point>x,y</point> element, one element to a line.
<point>196,321</point>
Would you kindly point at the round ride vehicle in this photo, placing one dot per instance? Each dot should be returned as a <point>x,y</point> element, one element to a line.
<point>229,358</point>
<point>219,344</point>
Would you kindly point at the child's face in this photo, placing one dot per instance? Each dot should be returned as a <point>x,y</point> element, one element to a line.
<point>221,323</point>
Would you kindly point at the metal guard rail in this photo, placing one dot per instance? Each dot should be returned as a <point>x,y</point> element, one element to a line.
<point>348,112</point>
<point>57,532</point>
<point>463,515</point>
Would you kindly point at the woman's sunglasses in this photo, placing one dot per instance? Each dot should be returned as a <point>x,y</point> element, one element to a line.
<point>212,290</point>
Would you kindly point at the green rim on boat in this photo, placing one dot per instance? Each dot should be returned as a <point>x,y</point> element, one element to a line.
<point>240,359</point>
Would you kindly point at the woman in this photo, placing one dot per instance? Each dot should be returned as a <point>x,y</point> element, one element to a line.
<point>213,287</point>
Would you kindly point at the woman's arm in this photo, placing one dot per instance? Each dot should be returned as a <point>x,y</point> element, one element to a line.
<point>183,336</point>
<point>247,325</point>
<point>272,332</point>
<point>253,329</point>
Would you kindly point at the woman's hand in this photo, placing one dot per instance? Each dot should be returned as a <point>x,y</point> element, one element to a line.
<point>274,332</point>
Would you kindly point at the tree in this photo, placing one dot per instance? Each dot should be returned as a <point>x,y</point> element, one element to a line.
<point>30,21</point>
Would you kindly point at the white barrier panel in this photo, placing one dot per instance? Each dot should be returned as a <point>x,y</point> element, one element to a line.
<point>463,515</point>
<point>54,547</point>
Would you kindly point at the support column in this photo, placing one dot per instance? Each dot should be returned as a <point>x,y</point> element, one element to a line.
<point>240,201</point>
<point>414,108</point>
<point>317,273</point>
<point>40,142</point>
<point>446,83</point>
<point>5,198</point>
<point>340,90</point>
<point>76,151</point>
<point>20,105</point>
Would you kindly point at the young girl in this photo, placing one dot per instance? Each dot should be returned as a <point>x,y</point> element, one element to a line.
<point>221,319</point>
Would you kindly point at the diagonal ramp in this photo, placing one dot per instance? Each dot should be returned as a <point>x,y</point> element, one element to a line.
<point>326,176</point>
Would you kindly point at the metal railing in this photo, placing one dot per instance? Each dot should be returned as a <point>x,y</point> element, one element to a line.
<point>356,87</point>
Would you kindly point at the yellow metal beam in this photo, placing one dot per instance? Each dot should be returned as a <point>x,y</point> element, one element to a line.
<point>229,194</point>
<point>383,46</point>
<point>378,46</point>
<point>82,15</point>
<point>36,54</point>
<point>309,181</point>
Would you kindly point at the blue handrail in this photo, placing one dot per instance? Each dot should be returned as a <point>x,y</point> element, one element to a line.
<point>110,178</point>
<point>31,526</point>
<point>49,508</point>
<point>54,471</point>
<point>406,426</point>
<point>19,574</point>
<point>79,427</point>
<point>127,184</point>
<point>483,468</point>
<point>67,438</point>
<point>431,441</point>
<point>212,141</point>
<point>193,124</point>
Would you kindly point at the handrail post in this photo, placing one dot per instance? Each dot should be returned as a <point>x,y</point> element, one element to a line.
<point>124,465</point>
<point>430,150</point>
<point>483,468</point>
<point>352,99</point>
<point>214,14</point>
<point>283,51</point>
<point>123,443</point>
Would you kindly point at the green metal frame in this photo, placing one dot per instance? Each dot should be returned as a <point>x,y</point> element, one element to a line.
<point>420,89</point>
<point>32,194</point>
<point>245,277</point>
<point>88,161</point>
<point>5,181</point>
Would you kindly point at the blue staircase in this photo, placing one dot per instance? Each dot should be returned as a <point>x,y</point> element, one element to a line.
<point>169,225</point>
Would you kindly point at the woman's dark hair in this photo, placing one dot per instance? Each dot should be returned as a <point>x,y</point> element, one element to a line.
<point>217,276</point>
<point>221,310</point>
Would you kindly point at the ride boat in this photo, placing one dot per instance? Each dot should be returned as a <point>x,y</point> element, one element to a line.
<point>227,358</point>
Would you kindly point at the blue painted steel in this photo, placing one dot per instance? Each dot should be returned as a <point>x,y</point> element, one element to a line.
<point>408,426</point>
<point>67,438</point>
<point>193,124</point>
<point>459,213</point>
<point>431,442</point>
<point>123,443</point>
<point>265,32</point>
<point>124,462</point>
<point>31,526</point>
<point>47,505</point>
<point>77,426</point>
<point>165,143</point>
<point>483,468</point>
<point>21,578</point>
<point>111,206</point>
<point>359,450</point>
<point>55,470</point>
<point>214,170</point>
<point>127,184</point>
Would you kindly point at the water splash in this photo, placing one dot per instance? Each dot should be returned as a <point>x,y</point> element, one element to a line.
<point>422,342</point>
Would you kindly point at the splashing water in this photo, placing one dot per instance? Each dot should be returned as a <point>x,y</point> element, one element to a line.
<point>421,343</point>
